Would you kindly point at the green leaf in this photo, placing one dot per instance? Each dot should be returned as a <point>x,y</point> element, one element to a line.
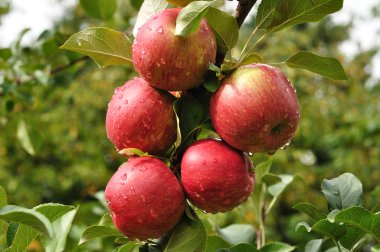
<point>53,211</point>
<point>105,228</point>
<point>277,247</point>
<point>237,233</point>
<point>265,13</point>
<point>276,189</point>
<point>229,65</point>
<point>311,210</point>
<point>190,17</point>
<point>61,228</point>
<point>101,197</point>
<point>212,84</point>
<point>100,9</point>
<point>23,236</point>
<point>251,58</point>
<point>188,235</point>
<point>214,243</point>
<point>343,192</point>
<point>243,247</point>
<point>24,139</point>
<point>352,237</point>
<point>105,46</point>
<point>148,9</point>
<point>132,152</point>
<point>3,197</point>
<point>125,248</point>
<point>262,169</point>
<point>361,218</point>
<point>314,245</point>
<point>28,217</point>
<point>176,108</point>
<point>225,27</point>
<point>292,12</point>
<point>328,67</point>
<point>375,248</point>
<point>11,232</point>
<point>323,227</point>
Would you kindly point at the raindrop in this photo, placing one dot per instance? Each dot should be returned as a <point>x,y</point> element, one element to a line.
<point>124,177</point>
<point>250,154</point>
<point>121,96</point>
<point>79,43</point>
<point>215,161</point>
<point>125,196</point>
<point>116,90</point>
<point>122,183</point>
<point>163,61</point>
<point>204,212</point>
<point>285,146</point>
<point>160,30</point>
<point>118,107</point>
<point>133,190</point>
<point>154,17</point>
<point>143,169</point>
<point>204,162</point>
<point>126,102</point>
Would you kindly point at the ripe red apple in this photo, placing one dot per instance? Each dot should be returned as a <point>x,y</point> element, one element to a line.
<point>216,177</point>
<point>172,62</point>
<point>145,198</point>
<point>140,116</point>
<point>255,109</point>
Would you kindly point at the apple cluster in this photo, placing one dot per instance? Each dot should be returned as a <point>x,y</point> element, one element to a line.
<point>254,110</point>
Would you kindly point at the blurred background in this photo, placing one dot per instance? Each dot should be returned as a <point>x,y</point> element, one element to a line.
<point>53,145</point>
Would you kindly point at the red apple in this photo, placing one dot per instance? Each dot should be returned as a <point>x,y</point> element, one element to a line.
<point>216,177</point>
<point>145,198</point>
<point>140,116</point>
<point>255,109</point>
<point>172,62</point>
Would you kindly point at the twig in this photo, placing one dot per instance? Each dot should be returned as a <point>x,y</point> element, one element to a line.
<point>242,11</point>
<point>72,63</point>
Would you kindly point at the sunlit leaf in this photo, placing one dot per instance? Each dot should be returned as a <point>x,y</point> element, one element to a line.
<point>101,9</point>
<point>148,9</point>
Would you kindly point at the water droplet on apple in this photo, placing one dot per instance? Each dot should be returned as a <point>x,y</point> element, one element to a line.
<point>116,90</point>
<point>133,191</point>
<point>122,183</point>
<point>124,177</point>
<point>143,168</point>
<point>163,61</point>
<point>125,196</point>
<point>215,161</point>
<point>204,211</point>
<point>154,17</point>
<point>126,102</point>
<point>250,154</point>
<point>160,30</point>
<point>118,107</point>
<point>204,162</point>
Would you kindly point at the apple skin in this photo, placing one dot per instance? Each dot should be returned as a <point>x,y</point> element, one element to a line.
<point>140,116</point>
<point>255,109</point>
<point>216,177</point>
<point>145,198</point>
<point>171,62</point>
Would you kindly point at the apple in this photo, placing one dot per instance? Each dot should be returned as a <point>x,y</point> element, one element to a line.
<point>171,62</point>
<point>216,177</point>
<point>145,198</point>
<point>255,109</point>
<point>140,116</point>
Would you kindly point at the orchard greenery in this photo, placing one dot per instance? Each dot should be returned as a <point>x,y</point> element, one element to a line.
<point>343,228</point>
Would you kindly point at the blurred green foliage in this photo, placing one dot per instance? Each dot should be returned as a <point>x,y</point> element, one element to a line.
<point>62,98</point>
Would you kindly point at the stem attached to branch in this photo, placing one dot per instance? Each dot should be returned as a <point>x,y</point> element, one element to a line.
<point>242,11</point>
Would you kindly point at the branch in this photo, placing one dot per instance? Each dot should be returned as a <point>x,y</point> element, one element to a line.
<point>242,11</point>
<point>72,63</point>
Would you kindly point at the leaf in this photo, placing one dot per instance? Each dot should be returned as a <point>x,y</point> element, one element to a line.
<point>277,247</point>
<point>237,233</point>
<point>276,189</point>
<point>311,210</point>
<point>125,248</point>
<point>101,197</point>
<point>105,228</point>
<point>61,228</point>
<point>361,218</point>
<point>188,235</point>
<point>148,9</point>
<point>328,67</point>
<point>292,12</point>
<point>190,17</point>
<point>176,108</point>
<point>212,84</point>
<point>265,13</point>
<point>132,152</point>
<point>375,248</point>
<point>214,243</point>
<point>100,9</point>
<point>24,139</point>
<point>225,27</point>
<point>105,46</point>
<point>28,217</point>
<point>11,232</point>
<point>3,197</point>
<point>262,169</point>
<point>331,230</point>
<point>343,192</point>
<point>53,211</point>
<point>243,247</point>
<point>23,236</point>
<point>251,58</point>
<point>314,245</point>
<point>352,237</point>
